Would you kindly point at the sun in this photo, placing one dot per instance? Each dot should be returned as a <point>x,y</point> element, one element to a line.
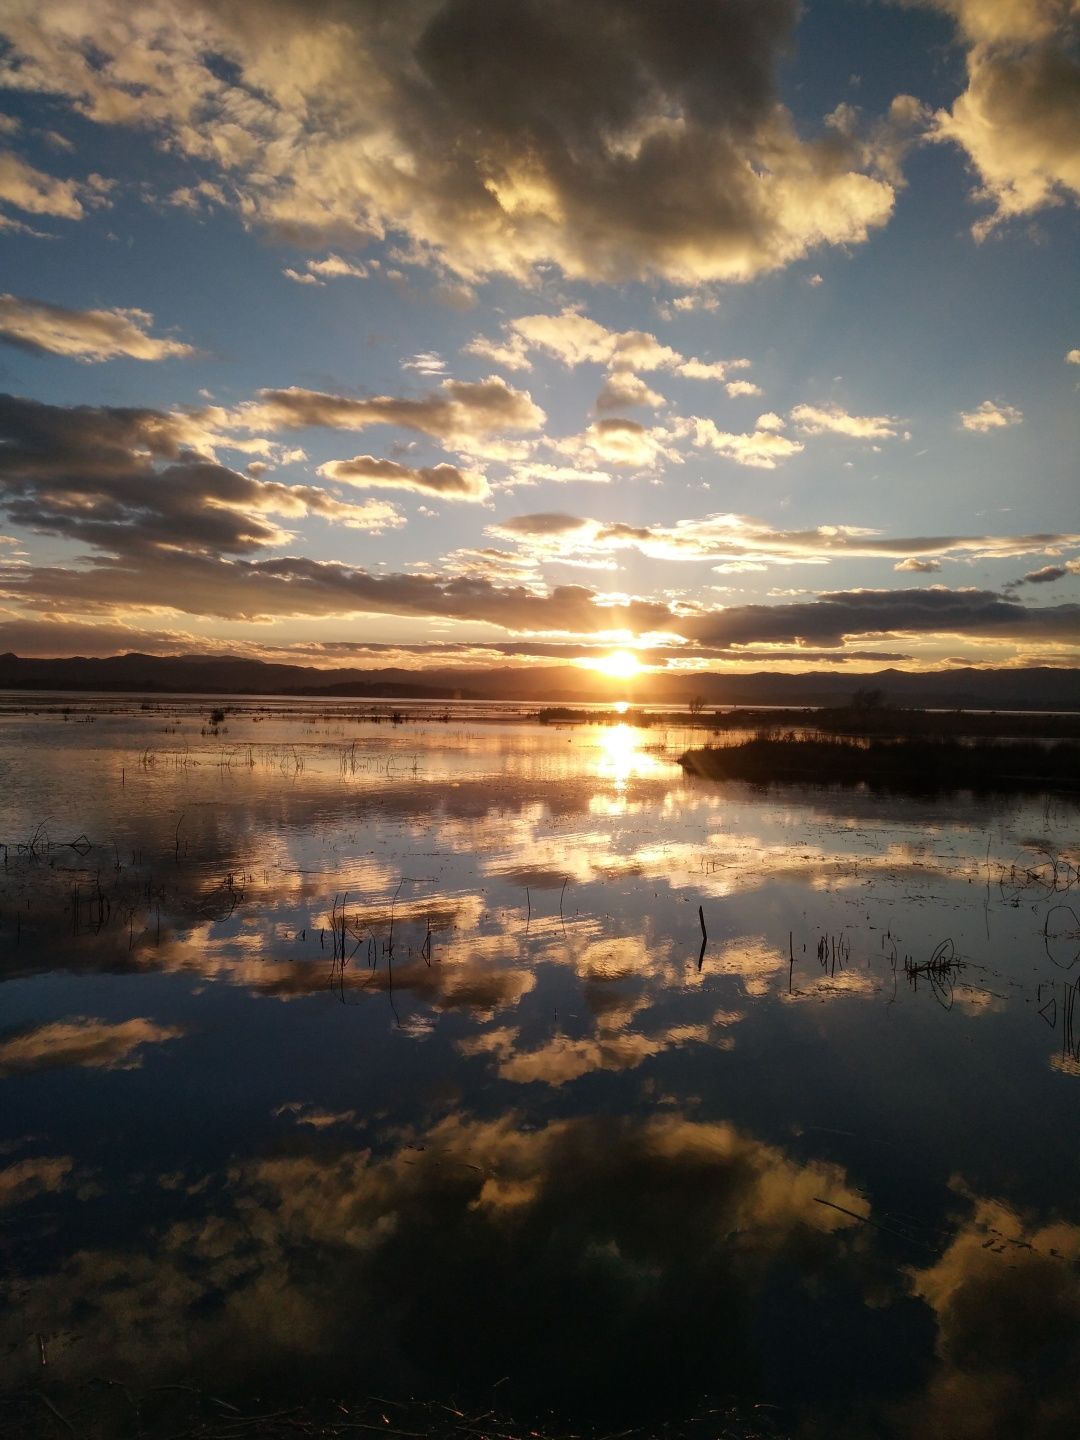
<point>620,665</point>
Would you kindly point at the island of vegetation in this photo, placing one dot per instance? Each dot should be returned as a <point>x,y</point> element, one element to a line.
<point>909,764</point>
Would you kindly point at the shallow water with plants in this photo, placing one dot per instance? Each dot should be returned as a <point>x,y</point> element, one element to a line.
<point>469,1057</point>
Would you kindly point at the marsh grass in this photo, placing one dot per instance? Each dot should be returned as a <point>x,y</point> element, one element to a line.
<point>107,1409</point>
<point>917,765</point>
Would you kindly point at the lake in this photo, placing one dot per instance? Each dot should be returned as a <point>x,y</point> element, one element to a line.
<point>478,1058</point>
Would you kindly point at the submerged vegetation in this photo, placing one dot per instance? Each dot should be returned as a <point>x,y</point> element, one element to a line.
<point>910,764</point>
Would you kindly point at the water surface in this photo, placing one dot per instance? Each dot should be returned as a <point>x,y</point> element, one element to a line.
<point>340,1057</point>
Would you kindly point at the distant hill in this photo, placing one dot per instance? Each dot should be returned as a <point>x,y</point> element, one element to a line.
<point>1035,689</point>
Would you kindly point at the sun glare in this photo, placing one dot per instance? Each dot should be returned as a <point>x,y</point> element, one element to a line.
<point>620,665</point>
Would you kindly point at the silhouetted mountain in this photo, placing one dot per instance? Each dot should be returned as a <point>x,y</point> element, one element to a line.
<point>1034,689</point>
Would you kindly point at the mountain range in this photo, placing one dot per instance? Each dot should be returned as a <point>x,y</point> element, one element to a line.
<point>1032,689</point>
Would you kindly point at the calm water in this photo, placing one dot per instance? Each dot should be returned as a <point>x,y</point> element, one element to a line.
<point>527,1133</point>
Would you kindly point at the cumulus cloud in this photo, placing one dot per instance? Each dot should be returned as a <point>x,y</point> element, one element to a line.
<point>512,354</point>
<point>624,389</point>
<point>611,141</point>
<point>574,338</point>
<point>1018,119</point>
<point>86,335</point>
<point>1073,357</point>
<point>833,420</point>
<point>619,442</point>
<point>918,567</point>
<point>990,415</point>
<point>761,449</point>
<point>446,482</point>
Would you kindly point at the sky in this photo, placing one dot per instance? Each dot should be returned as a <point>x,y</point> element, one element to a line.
<point>716,334</point>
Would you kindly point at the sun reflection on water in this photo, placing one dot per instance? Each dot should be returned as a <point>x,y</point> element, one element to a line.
<point>623,757</point>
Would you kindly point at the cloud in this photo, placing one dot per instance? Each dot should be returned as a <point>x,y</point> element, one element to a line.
<point>427,362</point>
<point>990,416</point>
<point>535,472</point>
<point>333,267</point>
<point>574,338</point>
<point>87,335</point>
<point>169,528</point>
<point>37,1175</point>
<point>1073,357</point>
<point>1018,120</point>
<point>200,584</point>
<point>547,523</point>
<point>445,481</point>
<point>1049,573</point>
<point>513,354</point>
<point>92,1044</point>
<point>624,389</point>
<point>36,193</point>
<point>737,388</point>
<point>919,567</point>
<point>317,272</point>
<point>90,474</point>
<point>459,415</point>
<point>936,610</point>
<point>619,442</point>
<point>201,196</point>
<point>58,638</point>
<point>761,449</point>
<point>737,538</point>
<point>832,420</point>
<point>613,142</point>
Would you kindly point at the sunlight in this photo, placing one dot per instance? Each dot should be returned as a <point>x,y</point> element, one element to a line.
<point>619,754</point>
<point>623,756</point>
<point>619,665</point>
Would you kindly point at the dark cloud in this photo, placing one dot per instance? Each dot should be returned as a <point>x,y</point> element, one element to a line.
<point>169,527</point>
<point>835,616</point>
<point>1046,575</point>
<point>294,585</point>
<point>88,474</point>
<point>614,140</point>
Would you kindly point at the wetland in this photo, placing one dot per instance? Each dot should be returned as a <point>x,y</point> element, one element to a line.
<point>477,1061</point>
